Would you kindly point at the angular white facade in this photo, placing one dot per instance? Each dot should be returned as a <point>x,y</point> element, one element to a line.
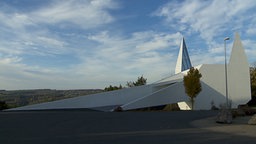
<point>171,90</point>
<point>238,73</point>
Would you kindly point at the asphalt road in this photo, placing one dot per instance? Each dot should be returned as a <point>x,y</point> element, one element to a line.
<point>83,127</point>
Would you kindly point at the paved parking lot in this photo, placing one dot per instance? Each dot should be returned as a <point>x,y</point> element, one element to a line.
<point>84,127</point>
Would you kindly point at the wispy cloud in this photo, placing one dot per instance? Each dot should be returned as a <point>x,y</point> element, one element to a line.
<point>120,57</point>
<point>35,33</point>
<point>89,43</point>
<point>85,14</point>
<point>30,32</point>
<point>211,19</point>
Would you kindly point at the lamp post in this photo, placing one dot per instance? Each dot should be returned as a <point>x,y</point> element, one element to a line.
<point>226,74</point>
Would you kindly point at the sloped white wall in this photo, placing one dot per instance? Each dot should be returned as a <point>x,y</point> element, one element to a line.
<point>238,74</point>
<point>171,94</point>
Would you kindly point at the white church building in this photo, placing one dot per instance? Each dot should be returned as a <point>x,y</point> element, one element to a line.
<point>170,90</point>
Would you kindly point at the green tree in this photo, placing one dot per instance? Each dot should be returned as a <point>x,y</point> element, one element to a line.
<point>253,80</point>
<point>140,81</point>
<point>111,88</point>
<point>192,84</point>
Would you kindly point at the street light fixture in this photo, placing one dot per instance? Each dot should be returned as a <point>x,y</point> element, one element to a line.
<point>226,77</point>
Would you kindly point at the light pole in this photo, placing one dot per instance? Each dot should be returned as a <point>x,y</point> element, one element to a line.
<point>226,73</point>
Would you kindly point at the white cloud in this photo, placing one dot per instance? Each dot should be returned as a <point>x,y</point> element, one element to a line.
<point>115,61</point>
<point>15,20</point>
<point>159,41</point>
<point>250,46</point>
<point>25,31</point>
<point>209,18</point>
<point>251,31</point>
<point>86,14</point>
<point>9,60</point>
<point>30,33</point>
<point>32,43</point>
<point>83,13</point>
<point>51,41</point>
<point>119,58</point>
<point>104,57</point>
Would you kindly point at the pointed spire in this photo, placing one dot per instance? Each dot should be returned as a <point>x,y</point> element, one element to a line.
<point>183,61</point>
<point>238,74</point>
<point>238,55</point>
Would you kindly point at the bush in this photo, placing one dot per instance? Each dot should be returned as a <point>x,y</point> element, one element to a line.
<point>3,105</point>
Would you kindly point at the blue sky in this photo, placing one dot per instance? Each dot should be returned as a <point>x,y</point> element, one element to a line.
<point>75,44</point>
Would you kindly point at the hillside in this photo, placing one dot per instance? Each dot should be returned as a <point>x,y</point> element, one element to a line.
<point>17,98</point>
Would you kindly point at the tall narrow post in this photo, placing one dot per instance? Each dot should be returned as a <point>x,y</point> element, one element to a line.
<point>226,73</point>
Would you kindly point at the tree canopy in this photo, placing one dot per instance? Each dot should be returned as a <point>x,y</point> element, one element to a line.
<point>111,88</point>
<point>192,84</point>
<point>253,80</point>
<point>140,81</point>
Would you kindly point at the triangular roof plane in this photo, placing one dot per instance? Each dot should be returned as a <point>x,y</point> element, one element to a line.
<point>183,61</point>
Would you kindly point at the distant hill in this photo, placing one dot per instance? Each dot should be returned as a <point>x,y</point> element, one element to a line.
<point>17,98</point>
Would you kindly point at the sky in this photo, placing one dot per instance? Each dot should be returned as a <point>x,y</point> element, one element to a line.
<point>84,44</point>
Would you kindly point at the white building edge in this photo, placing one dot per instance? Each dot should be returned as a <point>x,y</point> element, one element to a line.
<point>171,90</point>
